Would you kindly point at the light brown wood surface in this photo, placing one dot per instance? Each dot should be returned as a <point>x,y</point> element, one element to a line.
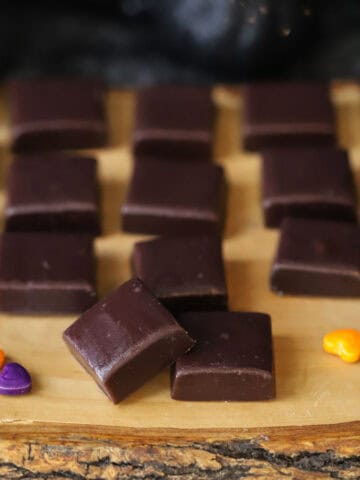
<point>313,387</point>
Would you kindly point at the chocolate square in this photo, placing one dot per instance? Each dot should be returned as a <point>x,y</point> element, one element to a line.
<point>184,273</point>
<point>287,114</point>
<point>54,193</point>
<point>174,198</point>
<point>317,258</point>
<point>125,339</point>
<point>57,114</point>
<point>308,183</point>
<point>174,121</point>
<point>46,273</point>
<point>232,359</point>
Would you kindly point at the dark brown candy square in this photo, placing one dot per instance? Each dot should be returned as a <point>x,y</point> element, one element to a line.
<point>287,114</point>
<point>57,114</point>
<point>46,273</point>
<point>232,359</point>
<point>125,339</point>
<point>174,198</point>
<point>174,121</point>
<point>54,193</point>
<point>184,273</point>
<point>317,258</point>
<point>308,183</point>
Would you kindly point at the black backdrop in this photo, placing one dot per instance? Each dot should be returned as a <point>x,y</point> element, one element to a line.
<point>149,41</point>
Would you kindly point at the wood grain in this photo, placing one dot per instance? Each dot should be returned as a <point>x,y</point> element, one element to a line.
<point>89,452</point>
<point>67,429</point>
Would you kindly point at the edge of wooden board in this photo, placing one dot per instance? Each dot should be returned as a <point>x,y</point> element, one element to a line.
<point>82,452</point>
<point>99,432</point>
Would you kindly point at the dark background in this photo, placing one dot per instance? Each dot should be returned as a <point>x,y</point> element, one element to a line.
<point>150,41</point>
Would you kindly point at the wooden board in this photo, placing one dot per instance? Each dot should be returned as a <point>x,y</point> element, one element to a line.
<point>313,388</point>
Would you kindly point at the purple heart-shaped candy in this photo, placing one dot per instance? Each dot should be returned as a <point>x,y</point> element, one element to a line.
<point>14,380</point>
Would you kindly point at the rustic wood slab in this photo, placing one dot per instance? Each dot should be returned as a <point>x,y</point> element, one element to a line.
<point>68,429</point>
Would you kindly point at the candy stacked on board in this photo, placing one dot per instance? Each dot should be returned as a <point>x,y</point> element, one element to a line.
<point>308,189</point>
<point>174,310</point>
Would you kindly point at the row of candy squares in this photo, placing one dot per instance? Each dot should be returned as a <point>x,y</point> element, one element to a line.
<point>177,121</point>
<point>56,114</point>
<point>47,273</point>
<point>55,273</point>
<point>70,113</point>
<point>59,193</point>
<point>56,192</point>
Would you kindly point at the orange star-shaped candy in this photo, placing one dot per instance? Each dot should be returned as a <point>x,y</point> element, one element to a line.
<point>345,343</point>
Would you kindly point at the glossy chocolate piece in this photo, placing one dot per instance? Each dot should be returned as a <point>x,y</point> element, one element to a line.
<point>287,115</point>
<point>57,114</point>
<point>52,193</point>
<point>44,273</point>
<point>184,273</point>
<point>317,258</point>
<point>174,121</point>
<point>307,183</point>
<point>125,339</point>
<point>232,359</point>
<point>174,198</point>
